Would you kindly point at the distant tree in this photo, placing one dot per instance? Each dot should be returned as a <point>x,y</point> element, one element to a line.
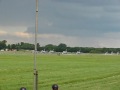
<point>50,47</point>
<point>61,47</point>
<point>38,46</point>
<point>22,43</point>
<point>9,46</point>
<point>73,49</point>
<point>3,44</point>
<point>4,41</point>
<point>13,46</point>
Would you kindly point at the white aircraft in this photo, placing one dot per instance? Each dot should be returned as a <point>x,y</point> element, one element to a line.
<point>64,52</point>
<point>78,52</point>
<point>51,51</point>
<point>43,51</point>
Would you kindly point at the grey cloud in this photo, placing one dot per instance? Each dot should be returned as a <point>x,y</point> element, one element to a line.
<point>16,12</point>
<point>15,39</point>
<point>77,20</point>
<point>0,1</point>
<point>84,18</point>
<point>113,9</point>
<point>92,2</point>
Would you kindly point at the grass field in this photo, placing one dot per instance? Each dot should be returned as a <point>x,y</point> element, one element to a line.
<point>70,72</point>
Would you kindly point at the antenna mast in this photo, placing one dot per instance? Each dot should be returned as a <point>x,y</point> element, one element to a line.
<point>35,51</point>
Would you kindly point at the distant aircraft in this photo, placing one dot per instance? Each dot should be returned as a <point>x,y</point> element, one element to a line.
<point>118,53</point>
<point>64,52</point>
<point>106,53</point>
<point>78,52</point>
<point>112,53</point>
<point>43,51</point>
<point>51,51</point>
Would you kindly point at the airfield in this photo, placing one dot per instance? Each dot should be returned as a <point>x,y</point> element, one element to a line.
<point>70,71</point>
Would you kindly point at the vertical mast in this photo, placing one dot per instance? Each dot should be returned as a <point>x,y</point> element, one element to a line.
<point>35,51</point>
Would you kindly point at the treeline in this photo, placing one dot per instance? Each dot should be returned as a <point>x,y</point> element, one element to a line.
<point>57,48</point>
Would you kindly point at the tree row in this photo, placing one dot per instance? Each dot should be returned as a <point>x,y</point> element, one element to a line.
<point>57,48</point>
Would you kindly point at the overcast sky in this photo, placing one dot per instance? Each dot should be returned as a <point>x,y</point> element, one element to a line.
<point>91,23</point>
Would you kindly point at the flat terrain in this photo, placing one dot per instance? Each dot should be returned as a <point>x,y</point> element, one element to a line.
<point>70,72</point>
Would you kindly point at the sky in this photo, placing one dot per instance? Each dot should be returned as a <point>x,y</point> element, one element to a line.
<point>82,23</point>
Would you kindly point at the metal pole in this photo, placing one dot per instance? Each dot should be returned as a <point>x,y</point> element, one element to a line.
<point>35,51</point>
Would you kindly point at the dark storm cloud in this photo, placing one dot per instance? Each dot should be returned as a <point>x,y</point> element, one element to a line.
<point>0,1</point>
<point>79,18</point>
<point>72,18</point>
<point>16,12</point>
<point>91,2</point>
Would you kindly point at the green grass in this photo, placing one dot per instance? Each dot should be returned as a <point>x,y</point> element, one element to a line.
<point>70,72</point>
